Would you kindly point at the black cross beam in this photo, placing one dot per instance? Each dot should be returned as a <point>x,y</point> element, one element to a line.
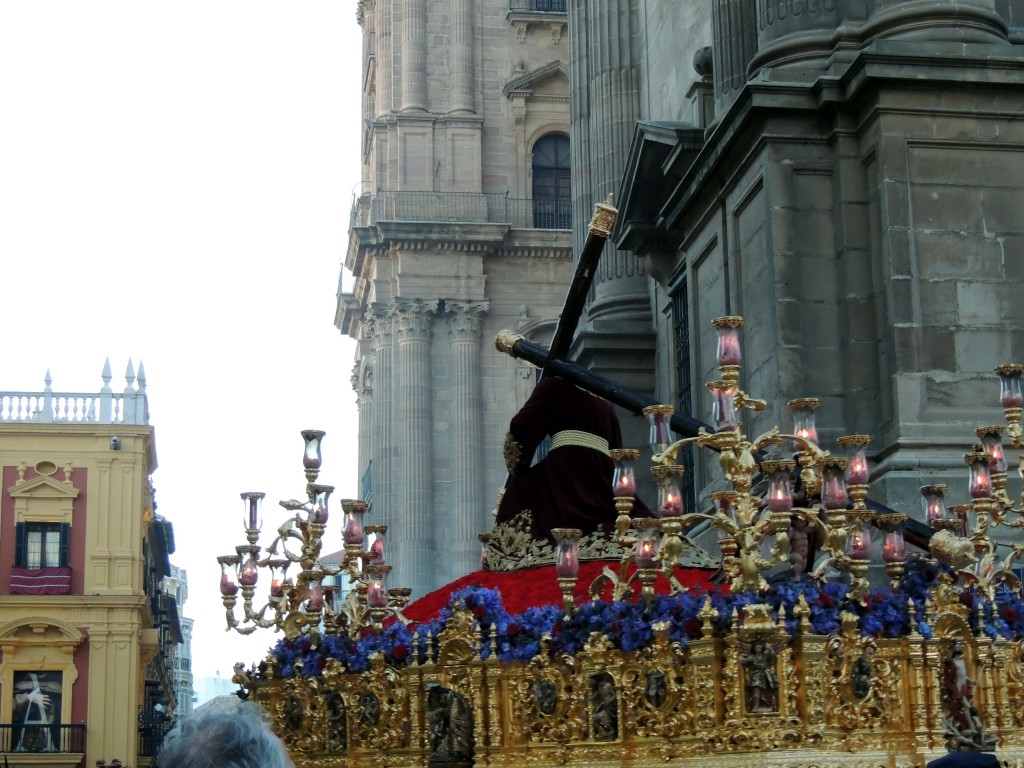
<point>552,360</point>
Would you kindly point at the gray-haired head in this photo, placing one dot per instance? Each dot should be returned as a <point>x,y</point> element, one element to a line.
<point>225,737</point>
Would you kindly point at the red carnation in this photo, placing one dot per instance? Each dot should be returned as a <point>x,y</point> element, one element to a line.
<point>1010,615</point>
<point>967,598</point>
<point>399,652</point>
<point>513,629</point>
<point>692,628</point>
<point>479,610</point>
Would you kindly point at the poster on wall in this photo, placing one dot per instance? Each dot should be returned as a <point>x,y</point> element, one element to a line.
<point>35,716</point>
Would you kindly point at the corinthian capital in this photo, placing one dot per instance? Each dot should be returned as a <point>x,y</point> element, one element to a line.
<point>466,319</point>
<point>413,318</point>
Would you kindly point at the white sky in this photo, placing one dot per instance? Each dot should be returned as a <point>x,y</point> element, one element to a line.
<point>175,185</point>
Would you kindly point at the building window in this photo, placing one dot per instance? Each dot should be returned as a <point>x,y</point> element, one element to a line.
<point>684,385</point>
<point>552,199</point>
<point>41,545</point>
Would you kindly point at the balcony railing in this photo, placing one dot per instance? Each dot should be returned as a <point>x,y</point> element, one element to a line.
<point>151,738</point>
<point>105,407</point>
<point>537,6</point>
<point>462,207</point>
<point>67,739</point>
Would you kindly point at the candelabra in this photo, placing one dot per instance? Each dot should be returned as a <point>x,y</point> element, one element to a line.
<point>312,602</point>
<point>815,495</point>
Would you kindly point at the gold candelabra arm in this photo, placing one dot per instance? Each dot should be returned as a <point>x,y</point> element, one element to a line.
<point>746,403</point>
<point>668,456</point>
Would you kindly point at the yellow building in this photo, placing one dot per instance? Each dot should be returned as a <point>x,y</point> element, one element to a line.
<point>86,633</point>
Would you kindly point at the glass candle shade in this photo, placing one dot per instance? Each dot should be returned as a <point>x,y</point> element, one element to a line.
<point>252,519</point>
<point>723,501</point>
<point>248,571</point>
<point>670,498</point>
<point>803,419</point>
<point>960,512</point>
<point>1010,394</point>
<point>624,477</point>
<point>992,443</point>
<point>377,589</point>
<point>894,549</point>
<point>780,494</point>
<point>315,595</point>
<point>567,558</point>
<point>352,528</point>
<point>833,486</point>
<point>857,472</point>
<point>485,545</point>
<point>723,405</point>
<point>728,351</point>
<point>660,419</point>
<point>858,542</point>
<point>311,457</point>
<point>377,547</point>
<point>278,569</point>
<point>646,552</point>
<point>980,484</point>
<point>321,495</point>
<point>228,585</point>
<point>933,498</point>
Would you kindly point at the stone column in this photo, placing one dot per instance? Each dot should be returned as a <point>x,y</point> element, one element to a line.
<point>379,332</point>
<point>414,56</point>
<point>385,58</point>
<point>467,510</point>
<point>362,385</point>
<point>616,334</point>
<point>605,77</point>
<point>462,57</point>
<point>734,44</point>
<point>414,437</point>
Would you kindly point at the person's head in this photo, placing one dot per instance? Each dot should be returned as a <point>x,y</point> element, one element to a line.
<point>232,736</point>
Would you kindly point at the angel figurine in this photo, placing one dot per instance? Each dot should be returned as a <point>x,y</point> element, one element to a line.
<point>761,680</point>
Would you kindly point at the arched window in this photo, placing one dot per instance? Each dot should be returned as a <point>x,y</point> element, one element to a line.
<point>552,199</point>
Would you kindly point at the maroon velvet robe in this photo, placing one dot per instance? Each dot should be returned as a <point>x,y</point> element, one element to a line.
<point>571,487</point>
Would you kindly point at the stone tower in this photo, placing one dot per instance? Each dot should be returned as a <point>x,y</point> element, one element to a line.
<point>460,229</point>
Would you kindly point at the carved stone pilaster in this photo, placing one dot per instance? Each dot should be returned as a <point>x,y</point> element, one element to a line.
<point>413,445</point>
<point>466,515</point>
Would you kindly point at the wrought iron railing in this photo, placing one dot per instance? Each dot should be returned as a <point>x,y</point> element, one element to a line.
<point>151,737</point>
<point>541,6</point>
<point>462,207</point>
<point>66,739</point>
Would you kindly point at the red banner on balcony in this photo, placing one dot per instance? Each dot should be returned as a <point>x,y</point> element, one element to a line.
<point>40,581</point>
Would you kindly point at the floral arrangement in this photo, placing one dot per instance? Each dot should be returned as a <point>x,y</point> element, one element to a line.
<point>629,626</point>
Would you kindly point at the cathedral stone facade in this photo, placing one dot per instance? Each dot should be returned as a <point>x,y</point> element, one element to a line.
<point>845,174</point>
<point>461,229</point>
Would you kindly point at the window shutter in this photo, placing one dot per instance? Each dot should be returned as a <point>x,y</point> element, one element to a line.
<point>65,545</point>
<point>20,544</point>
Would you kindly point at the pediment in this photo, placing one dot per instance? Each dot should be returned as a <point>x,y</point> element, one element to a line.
<point>43,487</point>
<point>529,82</point>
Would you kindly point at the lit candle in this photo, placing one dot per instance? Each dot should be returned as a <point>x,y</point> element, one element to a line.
<point>315,598</point>
<point>729,347</point>
<point>377,550</point>
<point>568,564</point>
<point>248,573</point>
<point>894,550</point>
<point>275,588</point>
<point>376,595</point>
<point>227,585</point>
<point>780,499</point>
<point>859,544</point>
<point>858,474</point>
<point>980,485</point>
<point>1010,394</point>
<point>319,515</point>
<point>646,550</point>
<point>625,484</point>
<point>671,505</point>
<point>834,495</point>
